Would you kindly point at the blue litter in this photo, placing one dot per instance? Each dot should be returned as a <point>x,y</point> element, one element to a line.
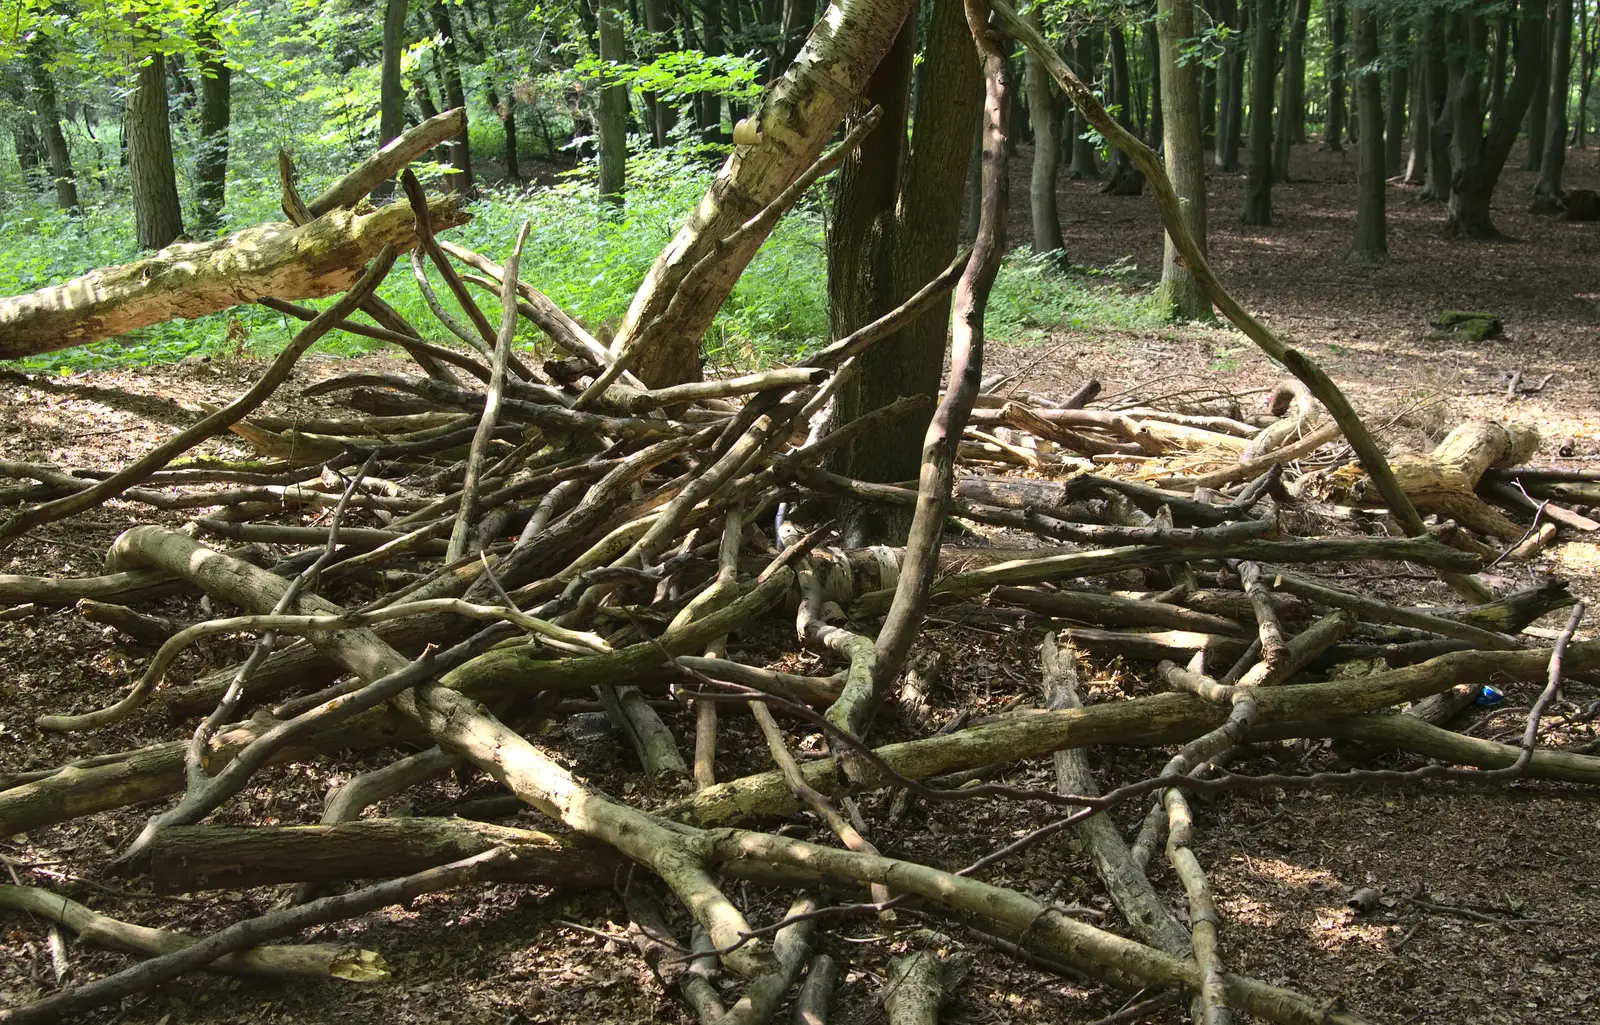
<point>1489,697</point>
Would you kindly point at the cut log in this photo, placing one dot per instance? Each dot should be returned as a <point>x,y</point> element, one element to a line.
<point>191,280</point>
<point>1442,481</point>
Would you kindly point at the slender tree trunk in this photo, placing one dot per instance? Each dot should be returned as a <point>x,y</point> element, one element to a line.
<point>505,107</point>
<point>455,95</point>
<point>211,160</point>
<point>1291,105</point>
<point>612,116</point>
<point>901,210</point>
<point>1394,131</point>
<point>24,133</point>
<point>1263,59</point>
<point>663,115</point>
<point>1371,246</point>
<point>1085,163</point>
<point>1497,65</point>
<point>1184,154</point>
<point>1580,119</point>
<point>708,105</point>
<point>157,214</point>
<point>1440,86</point>
<point>1539,107</point>
<point>1230,87</point>
<point>1209,77</point>
<point>1125,179</point>
<point>1333,130</point>
<point>391,84</point>
<point>1421,117</point>
<point>798,16</point>
<point>1047,236</point>
<point>1555,139</point>
<point>55,142</point>
<point>1477,161</point>
<point>1152,50</point>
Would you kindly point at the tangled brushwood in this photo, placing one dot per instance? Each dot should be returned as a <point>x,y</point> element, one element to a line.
<point>552,531</point>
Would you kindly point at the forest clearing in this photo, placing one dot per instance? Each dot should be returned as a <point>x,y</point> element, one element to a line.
<point>873,606</point>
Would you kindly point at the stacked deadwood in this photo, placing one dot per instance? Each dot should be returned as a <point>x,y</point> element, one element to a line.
<point>544,531</point>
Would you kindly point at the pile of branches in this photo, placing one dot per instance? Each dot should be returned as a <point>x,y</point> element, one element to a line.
<point>557,531</point>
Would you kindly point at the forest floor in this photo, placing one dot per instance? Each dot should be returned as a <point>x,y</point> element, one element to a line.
<point>1490,898</point>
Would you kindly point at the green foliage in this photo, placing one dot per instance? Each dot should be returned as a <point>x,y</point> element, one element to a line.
<point>588,256</point>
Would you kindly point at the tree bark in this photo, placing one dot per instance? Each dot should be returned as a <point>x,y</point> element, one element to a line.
<point>391,86</point>
<point>612,117</point>
<point>1555,138</point>
<point>1440,87</point>
<point>1230,86</point>
<point>1580,120</point>
<point>506,108</point>
<point>1264,59</point>
<point>157,214</point>
<point>319,259</point>
<point>1125,180</point>
<point>1152,59</point>
<point>1291,107</point>
<point>1538,107</point>
<point>902,211</point>
<point>455,97</point>
<point>1416,170</point>
<point>211,162</point>
<point>1371,246</point>
<point>1085,164</point>
<point>1047,237</point>
<point>55,143</point>
<point>1394,132</point>
<point>24,134</point>
<point>797,117</point>
<point>1181,295</point>
<point>1333,128</point>
<point>1478,161</point>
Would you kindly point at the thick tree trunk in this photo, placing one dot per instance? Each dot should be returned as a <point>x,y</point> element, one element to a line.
<point>1371,246</point>
<point>1394,131</point>
<point>321,258</point>
<point>1230,88</point>
<point>1181,295</point>
<point>798,116</point>
<point>1555,137</point>
<point>918,232</point>
<point>1478,161</point>
<point>157,214</point>
<point>1497,65</point>
<point>211,162</point>
<point>1291,106</point>
<point>663,116</point>
<point>1047,236</point>
<point>55,142</point>
<point>1333,128</point>
<point>455,96</point>
<point>1264,59</point>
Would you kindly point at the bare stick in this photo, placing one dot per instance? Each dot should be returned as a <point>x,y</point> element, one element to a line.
<point>491,403</point>
<point>250,933</point>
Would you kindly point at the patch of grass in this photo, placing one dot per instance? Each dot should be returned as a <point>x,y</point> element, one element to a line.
<point>588,256</point>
